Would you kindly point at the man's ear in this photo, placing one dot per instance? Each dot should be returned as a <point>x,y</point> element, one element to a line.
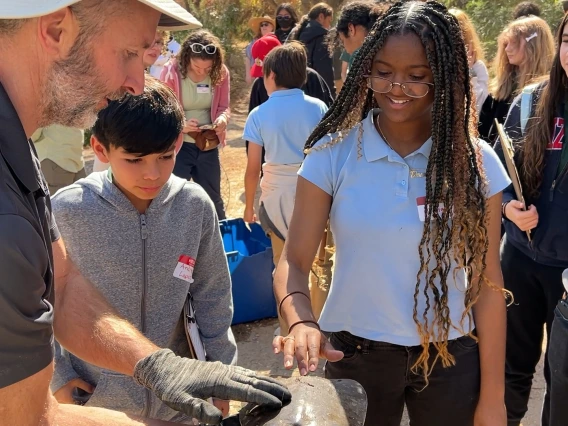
<point>179,143</point>
<point>57,32</point>
<point>99,150</point>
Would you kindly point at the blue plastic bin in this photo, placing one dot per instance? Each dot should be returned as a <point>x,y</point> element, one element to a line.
<point>249,254</point>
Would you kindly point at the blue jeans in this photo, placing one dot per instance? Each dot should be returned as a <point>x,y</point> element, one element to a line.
<point>384,371</point>
<point>558,361</point>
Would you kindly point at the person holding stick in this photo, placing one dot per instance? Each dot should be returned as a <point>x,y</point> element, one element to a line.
<point>532,269</point>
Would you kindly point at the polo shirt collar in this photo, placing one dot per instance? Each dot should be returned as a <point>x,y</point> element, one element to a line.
<point>374,146</point>
<point>286,92</point>
<point>15,146</point>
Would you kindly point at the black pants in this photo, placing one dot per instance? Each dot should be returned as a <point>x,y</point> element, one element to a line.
<point>204,168</point>
<point>384,370</point>
<point>558,360</point>
<point>536,289</point>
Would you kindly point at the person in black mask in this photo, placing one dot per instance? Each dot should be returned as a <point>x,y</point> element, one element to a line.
<point>286,19</point>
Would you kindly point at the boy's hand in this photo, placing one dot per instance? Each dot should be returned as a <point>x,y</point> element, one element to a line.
<point>65,393</point>
<point>220,124</point>
<point>191,125</point>
<point>249,216</point>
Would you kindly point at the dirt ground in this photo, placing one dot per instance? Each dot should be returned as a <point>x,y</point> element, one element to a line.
<point>254,339</point>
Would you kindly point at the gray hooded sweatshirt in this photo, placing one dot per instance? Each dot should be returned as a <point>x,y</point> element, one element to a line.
<point>131,258</point>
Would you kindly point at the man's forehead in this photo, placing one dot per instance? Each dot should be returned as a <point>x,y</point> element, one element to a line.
<point>136,28</point>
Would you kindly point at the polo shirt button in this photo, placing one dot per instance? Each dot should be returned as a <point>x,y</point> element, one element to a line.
<point>403,182</point>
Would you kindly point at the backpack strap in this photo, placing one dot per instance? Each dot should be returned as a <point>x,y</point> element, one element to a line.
<point>526,105</point>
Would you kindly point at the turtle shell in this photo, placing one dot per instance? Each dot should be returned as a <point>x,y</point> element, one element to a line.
<point>315,402</point>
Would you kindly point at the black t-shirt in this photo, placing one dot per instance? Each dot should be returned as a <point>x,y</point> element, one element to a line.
<point>27,229</point>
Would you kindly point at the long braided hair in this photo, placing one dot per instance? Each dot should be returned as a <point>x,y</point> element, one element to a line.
<point>455,239</point>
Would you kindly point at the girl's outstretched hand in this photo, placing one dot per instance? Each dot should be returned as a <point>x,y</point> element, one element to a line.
<point>307,344</point>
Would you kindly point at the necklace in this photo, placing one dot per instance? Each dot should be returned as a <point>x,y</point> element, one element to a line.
<point>382,134</point>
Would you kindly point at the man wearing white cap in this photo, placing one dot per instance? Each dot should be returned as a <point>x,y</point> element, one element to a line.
<point>62,60</point>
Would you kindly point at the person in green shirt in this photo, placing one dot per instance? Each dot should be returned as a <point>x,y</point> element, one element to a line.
<point>354,23</point>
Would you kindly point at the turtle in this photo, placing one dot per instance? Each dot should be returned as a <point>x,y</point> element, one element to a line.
<point>315,402</point>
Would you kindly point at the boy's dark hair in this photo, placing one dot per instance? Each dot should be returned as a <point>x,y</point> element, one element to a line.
<point>526,8</point>
<point>146,124</point>
<point>289,64</point>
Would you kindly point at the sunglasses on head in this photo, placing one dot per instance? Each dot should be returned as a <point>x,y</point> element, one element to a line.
<point>210,49</point>
<point>283,18</point>
<point>265,24</point>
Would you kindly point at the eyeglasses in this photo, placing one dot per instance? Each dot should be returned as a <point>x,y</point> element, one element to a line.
<point>265,24</point>
<point>210,49</point>
<point>414,89</point>
<point>283,18</point>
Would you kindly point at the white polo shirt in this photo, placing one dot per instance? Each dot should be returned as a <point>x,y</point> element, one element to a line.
<point>377,230</point>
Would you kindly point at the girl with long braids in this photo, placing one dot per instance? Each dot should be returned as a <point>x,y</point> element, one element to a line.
<point>532,269</point>
<point>416,308</point>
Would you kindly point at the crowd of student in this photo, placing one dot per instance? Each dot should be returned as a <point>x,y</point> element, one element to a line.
<point>398,179</point>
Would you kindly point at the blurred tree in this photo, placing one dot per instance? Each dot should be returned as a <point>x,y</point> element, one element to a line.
<point>490,17</point>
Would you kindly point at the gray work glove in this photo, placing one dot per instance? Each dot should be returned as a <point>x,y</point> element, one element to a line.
<point>183,384</point>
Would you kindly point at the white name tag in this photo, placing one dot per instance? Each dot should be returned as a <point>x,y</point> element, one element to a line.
<point>184,268</point>
<point>203,88</point>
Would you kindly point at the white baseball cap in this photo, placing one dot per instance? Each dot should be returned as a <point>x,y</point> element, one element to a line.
<point>174,17</point>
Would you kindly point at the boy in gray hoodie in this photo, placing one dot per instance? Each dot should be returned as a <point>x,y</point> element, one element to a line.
<point>131,230</point>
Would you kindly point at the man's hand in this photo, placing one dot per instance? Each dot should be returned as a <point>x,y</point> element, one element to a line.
<point>525,220</point>
<point>65,393</point>
<point>183,384</point>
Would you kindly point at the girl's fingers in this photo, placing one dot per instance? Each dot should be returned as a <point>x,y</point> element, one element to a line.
<point>289,350</point>
<point>277,344</point>
<point>315,342</point>
<point>302,353</point>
